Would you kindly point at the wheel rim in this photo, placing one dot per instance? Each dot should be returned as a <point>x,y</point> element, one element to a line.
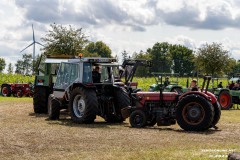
<point>224,100</point>
<point>138,120</point>
<point>79,106</point>
<point>19,94</point>
<point>193,113</point>
<point>4,91</point>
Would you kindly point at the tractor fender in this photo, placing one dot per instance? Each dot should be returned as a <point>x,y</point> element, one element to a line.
<point>208,96</point>
<point>224,89</point>
<point>5,84</point>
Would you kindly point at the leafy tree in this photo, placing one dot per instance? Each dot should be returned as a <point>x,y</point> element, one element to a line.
<point>24,66</point>
<point>183,59</point>
<point>99,48</point>
<point>142,71</point>
<point>10,68</point>
<point>2,64</point>
<point>19,67</point>
<point>212,59</point>
<point>124,55</point>
<point>63,40</point>
<point>235,68</point>
<point>161,57</point>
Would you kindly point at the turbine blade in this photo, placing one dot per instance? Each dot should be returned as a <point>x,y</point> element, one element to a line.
<point>27,46</point>
<point>33,34</point>
<point>40,44</point>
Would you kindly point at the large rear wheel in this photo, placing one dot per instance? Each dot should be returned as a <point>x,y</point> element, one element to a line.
<point>217,114</point>
<point>53,108</point>
<point>40,99</point>
<point>6,90</point>
<point>225,100</point>
<point>121,100</point>
<point>194,113</point>
<point>83,105</point>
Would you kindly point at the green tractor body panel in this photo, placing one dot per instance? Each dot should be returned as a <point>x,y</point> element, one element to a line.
<point>42,81</point>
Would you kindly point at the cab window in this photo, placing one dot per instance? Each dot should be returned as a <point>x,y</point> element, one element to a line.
<point>67,74</point>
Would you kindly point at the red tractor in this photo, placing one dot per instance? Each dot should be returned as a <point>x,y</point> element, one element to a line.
<point>17,89</point>
<point>193,111</point>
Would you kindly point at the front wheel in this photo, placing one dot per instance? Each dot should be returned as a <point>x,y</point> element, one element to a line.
<point>83,105</point>
<point>194,113</point>
<point>138,119</point>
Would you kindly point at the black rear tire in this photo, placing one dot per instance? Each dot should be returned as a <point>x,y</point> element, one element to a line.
<point>6,90</point>
<point>53,108</point>
<point>40,99</point>
<point>194,113</point>
<point>138,119</point>
<point>83,105</point>
<point>121,100</point>
<point>217,114</point>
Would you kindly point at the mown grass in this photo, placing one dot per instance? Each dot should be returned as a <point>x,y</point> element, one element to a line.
<point>25,135</point>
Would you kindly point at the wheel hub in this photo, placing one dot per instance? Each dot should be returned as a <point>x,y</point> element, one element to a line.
<point>78,106</point>
<point>194,113</point>
<point>81,105</point>
<point>4,91</point>
<point>138,119</point>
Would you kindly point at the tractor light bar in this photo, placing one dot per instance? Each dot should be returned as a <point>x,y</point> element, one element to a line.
<point>102,60</point>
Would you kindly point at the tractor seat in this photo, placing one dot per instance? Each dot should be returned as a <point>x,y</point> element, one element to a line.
<point>167,96</point>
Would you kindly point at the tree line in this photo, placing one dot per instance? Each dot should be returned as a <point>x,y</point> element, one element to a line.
<point>210,59</point>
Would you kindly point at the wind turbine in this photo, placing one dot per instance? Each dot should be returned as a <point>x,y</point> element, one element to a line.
<point>33,43</point>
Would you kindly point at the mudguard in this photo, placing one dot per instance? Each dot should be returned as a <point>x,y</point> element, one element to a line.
<point>209,96</point>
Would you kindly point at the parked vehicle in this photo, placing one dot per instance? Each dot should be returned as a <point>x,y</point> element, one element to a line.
<point>193,111</point>
<point>17,89</point>
<point>85,93</point>
<point>171,87</point>
<point>45,78</point>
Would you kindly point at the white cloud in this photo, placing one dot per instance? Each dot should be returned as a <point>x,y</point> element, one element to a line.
<point>123,25</point>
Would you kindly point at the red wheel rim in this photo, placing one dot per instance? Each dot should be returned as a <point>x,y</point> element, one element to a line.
<point>187,110</point>
<point>18,94</point>
<point>224,100</point>
<point>4,91</point>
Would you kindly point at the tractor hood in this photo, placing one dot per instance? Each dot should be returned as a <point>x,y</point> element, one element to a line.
<point>153,96</point>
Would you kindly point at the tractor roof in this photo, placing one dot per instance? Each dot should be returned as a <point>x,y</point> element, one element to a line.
<point>52,60</point>
<point>93,60</point>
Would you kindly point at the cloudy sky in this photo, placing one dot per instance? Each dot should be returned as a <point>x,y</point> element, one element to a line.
<point>130,25</point>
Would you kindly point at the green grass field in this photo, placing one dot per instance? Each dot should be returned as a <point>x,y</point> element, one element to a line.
<point>144,83</point>
<point>25,135</point>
